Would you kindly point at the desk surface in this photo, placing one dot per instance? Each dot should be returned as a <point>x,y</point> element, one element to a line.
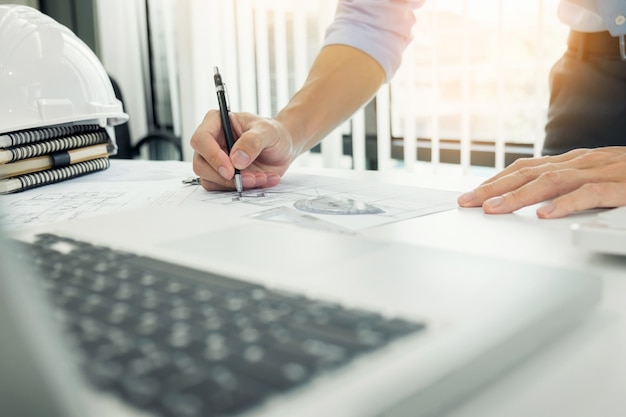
<point>580,375</point>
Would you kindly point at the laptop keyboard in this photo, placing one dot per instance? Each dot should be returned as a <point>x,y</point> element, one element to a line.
<point>181,342</point>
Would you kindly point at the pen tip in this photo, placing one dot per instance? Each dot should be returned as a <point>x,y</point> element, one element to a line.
<point>216,70</point>
<point>238,184</point>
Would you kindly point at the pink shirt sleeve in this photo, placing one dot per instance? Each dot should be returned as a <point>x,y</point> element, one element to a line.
<point>380,28</point>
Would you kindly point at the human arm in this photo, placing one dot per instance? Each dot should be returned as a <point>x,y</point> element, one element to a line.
<point>340,81</point>
<point>362,49</point>
<point>577,180</point>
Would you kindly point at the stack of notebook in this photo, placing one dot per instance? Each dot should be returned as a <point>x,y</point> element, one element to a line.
<point>36,157</point>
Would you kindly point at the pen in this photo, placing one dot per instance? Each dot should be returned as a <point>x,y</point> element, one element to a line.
<point>226,126</point>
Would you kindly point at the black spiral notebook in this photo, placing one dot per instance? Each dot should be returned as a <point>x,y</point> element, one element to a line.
<point>56,144</point>
<point>35,157</point>
<point>50,176</point>
<point>24,137</point>
<point>57,159</point>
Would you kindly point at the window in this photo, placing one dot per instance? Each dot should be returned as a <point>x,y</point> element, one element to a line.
<point>475,81</point>
<point>472,90</point>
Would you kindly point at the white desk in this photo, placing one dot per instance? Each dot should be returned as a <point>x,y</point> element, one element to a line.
<point>582,374</point>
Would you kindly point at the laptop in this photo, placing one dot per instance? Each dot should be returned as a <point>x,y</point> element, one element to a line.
<point>195,312</point>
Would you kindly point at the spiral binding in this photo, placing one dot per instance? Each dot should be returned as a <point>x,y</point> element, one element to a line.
<point>54,145</point>
<point>24,137</point>
<point>51,176</point>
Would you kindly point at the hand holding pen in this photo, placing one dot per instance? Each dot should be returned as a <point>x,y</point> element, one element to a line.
<point>226,126</point>
<point>263,148</point>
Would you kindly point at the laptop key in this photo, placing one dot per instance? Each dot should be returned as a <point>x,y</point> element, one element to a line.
<point>182,405</point>
<point>141,390</point>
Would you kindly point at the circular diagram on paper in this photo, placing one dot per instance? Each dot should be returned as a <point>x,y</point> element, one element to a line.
<point>336,205</point>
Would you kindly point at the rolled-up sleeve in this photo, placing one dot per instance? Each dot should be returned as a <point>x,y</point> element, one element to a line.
<point>380,28</point>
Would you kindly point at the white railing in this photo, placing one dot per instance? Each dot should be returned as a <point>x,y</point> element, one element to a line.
<point>476,70</point>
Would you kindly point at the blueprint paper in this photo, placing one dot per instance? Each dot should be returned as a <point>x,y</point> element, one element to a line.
<point>135,184</point>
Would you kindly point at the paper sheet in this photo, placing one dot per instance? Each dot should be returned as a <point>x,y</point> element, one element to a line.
<point>135,184</point>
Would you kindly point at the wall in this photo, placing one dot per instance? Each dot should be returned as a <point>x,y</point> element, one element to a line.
<point>31,3</point>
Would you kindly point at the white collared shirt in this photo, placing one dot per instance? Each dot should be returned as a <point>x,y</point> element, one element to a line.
<point>581,16</point>
<point>594,15</point>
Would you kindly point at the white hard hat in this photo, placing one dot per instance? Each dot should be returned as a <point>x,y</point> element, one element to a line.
<point>48,76</point>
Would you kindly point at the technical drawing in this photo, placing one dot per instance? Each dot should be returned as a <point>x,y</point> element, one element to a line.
<point>336,205</point>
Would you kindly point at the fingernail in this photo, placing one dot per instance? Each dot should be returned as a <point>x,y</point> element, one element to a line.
<point>248,181</point>
<point>494,202</point>
<point>466,198</point>
<point>272,180</point>
<point>546,210</point>
<point>241,159</point>
<point>223,172</point>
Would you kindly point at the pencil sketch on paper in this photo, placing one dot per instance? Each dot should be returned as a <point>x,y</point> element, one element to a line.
<point>326,197</point>
<point>336,205</point>
<point>248,195</point>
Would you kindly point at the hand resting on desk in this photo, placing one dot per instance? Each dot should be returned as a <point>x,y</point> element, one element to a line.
<point>577,180</point>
